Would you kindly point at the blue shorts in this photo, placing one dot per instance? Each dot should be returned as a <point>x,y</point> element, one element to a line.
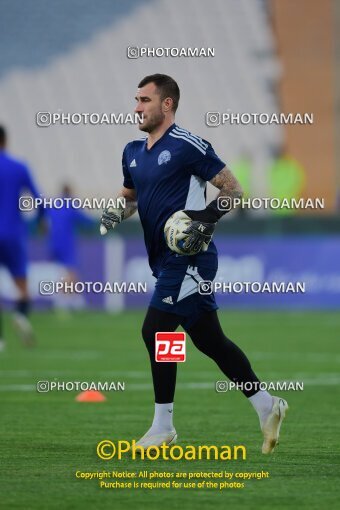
<point>13,255</point>
<point>177,287</point>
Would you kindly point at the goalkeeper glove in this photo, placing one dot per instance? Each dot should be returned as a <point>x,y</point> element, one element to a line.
<point>202,228</point>
<point>211,214</point>
<point>198,236</point>
<point>110,218</point>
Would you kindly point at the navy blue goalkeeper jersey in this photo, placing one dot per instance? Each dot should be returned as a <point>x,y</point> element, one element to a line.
<point>169,177</point>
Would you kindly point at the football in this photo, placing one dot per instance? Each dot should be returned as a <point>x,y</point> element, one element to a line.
<point>174,234</point>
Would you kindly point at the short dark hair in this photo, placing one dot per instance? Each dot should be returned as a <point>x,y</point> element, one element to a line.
<point>166,85</point>
<point>3,136</point>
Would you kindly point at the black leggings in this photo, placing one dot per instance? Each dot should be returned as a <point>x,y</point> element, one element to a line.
<point>207,335</point>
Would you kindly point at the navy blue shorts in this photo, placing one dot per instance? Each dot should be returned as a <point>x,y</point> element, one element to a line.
<point>177,287</point>
<point>13,255</point>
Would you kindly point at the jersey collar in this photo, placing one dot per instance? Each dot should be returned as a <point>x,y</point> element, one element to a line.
<point>160,139</point>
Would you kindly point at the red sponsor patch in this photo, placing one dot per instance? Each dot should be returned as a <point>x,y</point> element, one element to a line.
<point>170,346</point>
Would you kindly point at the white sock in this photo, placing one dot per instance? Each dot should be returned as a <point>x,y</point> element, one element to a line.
<point>262,402</point>
<point>162,420</point>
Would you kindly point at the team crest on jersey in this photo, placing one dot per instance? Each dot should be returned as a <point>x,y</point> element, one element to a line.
<point>164,157</point>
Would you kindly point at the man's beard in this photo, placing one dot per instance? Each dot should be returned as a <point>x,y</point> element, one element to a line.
<point>153,122</point>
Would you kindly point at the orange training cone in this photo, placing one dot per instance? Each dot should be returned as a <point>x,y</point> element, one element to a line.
<point>90,396</point>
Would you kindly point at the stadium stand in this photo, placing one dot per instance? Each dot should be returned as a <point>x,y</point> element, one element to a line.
<point>72,67</point>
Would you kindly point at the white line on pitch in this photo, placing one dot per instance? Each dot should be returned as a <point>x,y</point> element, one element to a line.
<point>331,381</point>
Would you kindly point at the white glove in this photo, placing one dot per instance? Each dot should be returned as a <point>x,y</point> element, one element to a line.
<point>110,218</point>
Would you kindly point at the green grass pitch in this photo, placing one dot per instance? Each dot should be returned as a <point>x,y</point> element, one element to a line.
<point>46,437</point>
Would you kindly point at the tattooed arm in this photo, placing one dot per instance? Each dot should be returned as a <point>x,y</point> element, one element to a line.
<point>130,196</point>
<point>228,185</point>
<point>230,190</point>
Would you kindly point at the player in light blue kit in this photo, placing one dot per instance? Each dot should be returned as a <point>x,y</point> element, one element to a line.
<point>15,181</point>
<point>165,173</point>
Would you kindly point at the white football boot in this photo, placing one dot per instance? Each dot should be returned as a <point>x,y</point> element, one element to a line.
<point>148,439</point>
<point>271,426</point>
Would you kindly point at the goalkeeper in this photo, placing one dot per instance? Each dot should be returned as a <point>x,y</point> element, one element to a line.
<point>165,173</point>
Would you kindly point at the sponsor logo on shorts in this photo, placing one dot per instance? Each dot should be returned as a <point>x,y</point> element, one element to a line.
<point>168,300</point>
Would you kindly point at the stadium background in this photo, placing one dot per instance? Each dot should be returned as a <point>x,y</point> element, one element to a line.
<point>268,59</point>
<point>271,56</point>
